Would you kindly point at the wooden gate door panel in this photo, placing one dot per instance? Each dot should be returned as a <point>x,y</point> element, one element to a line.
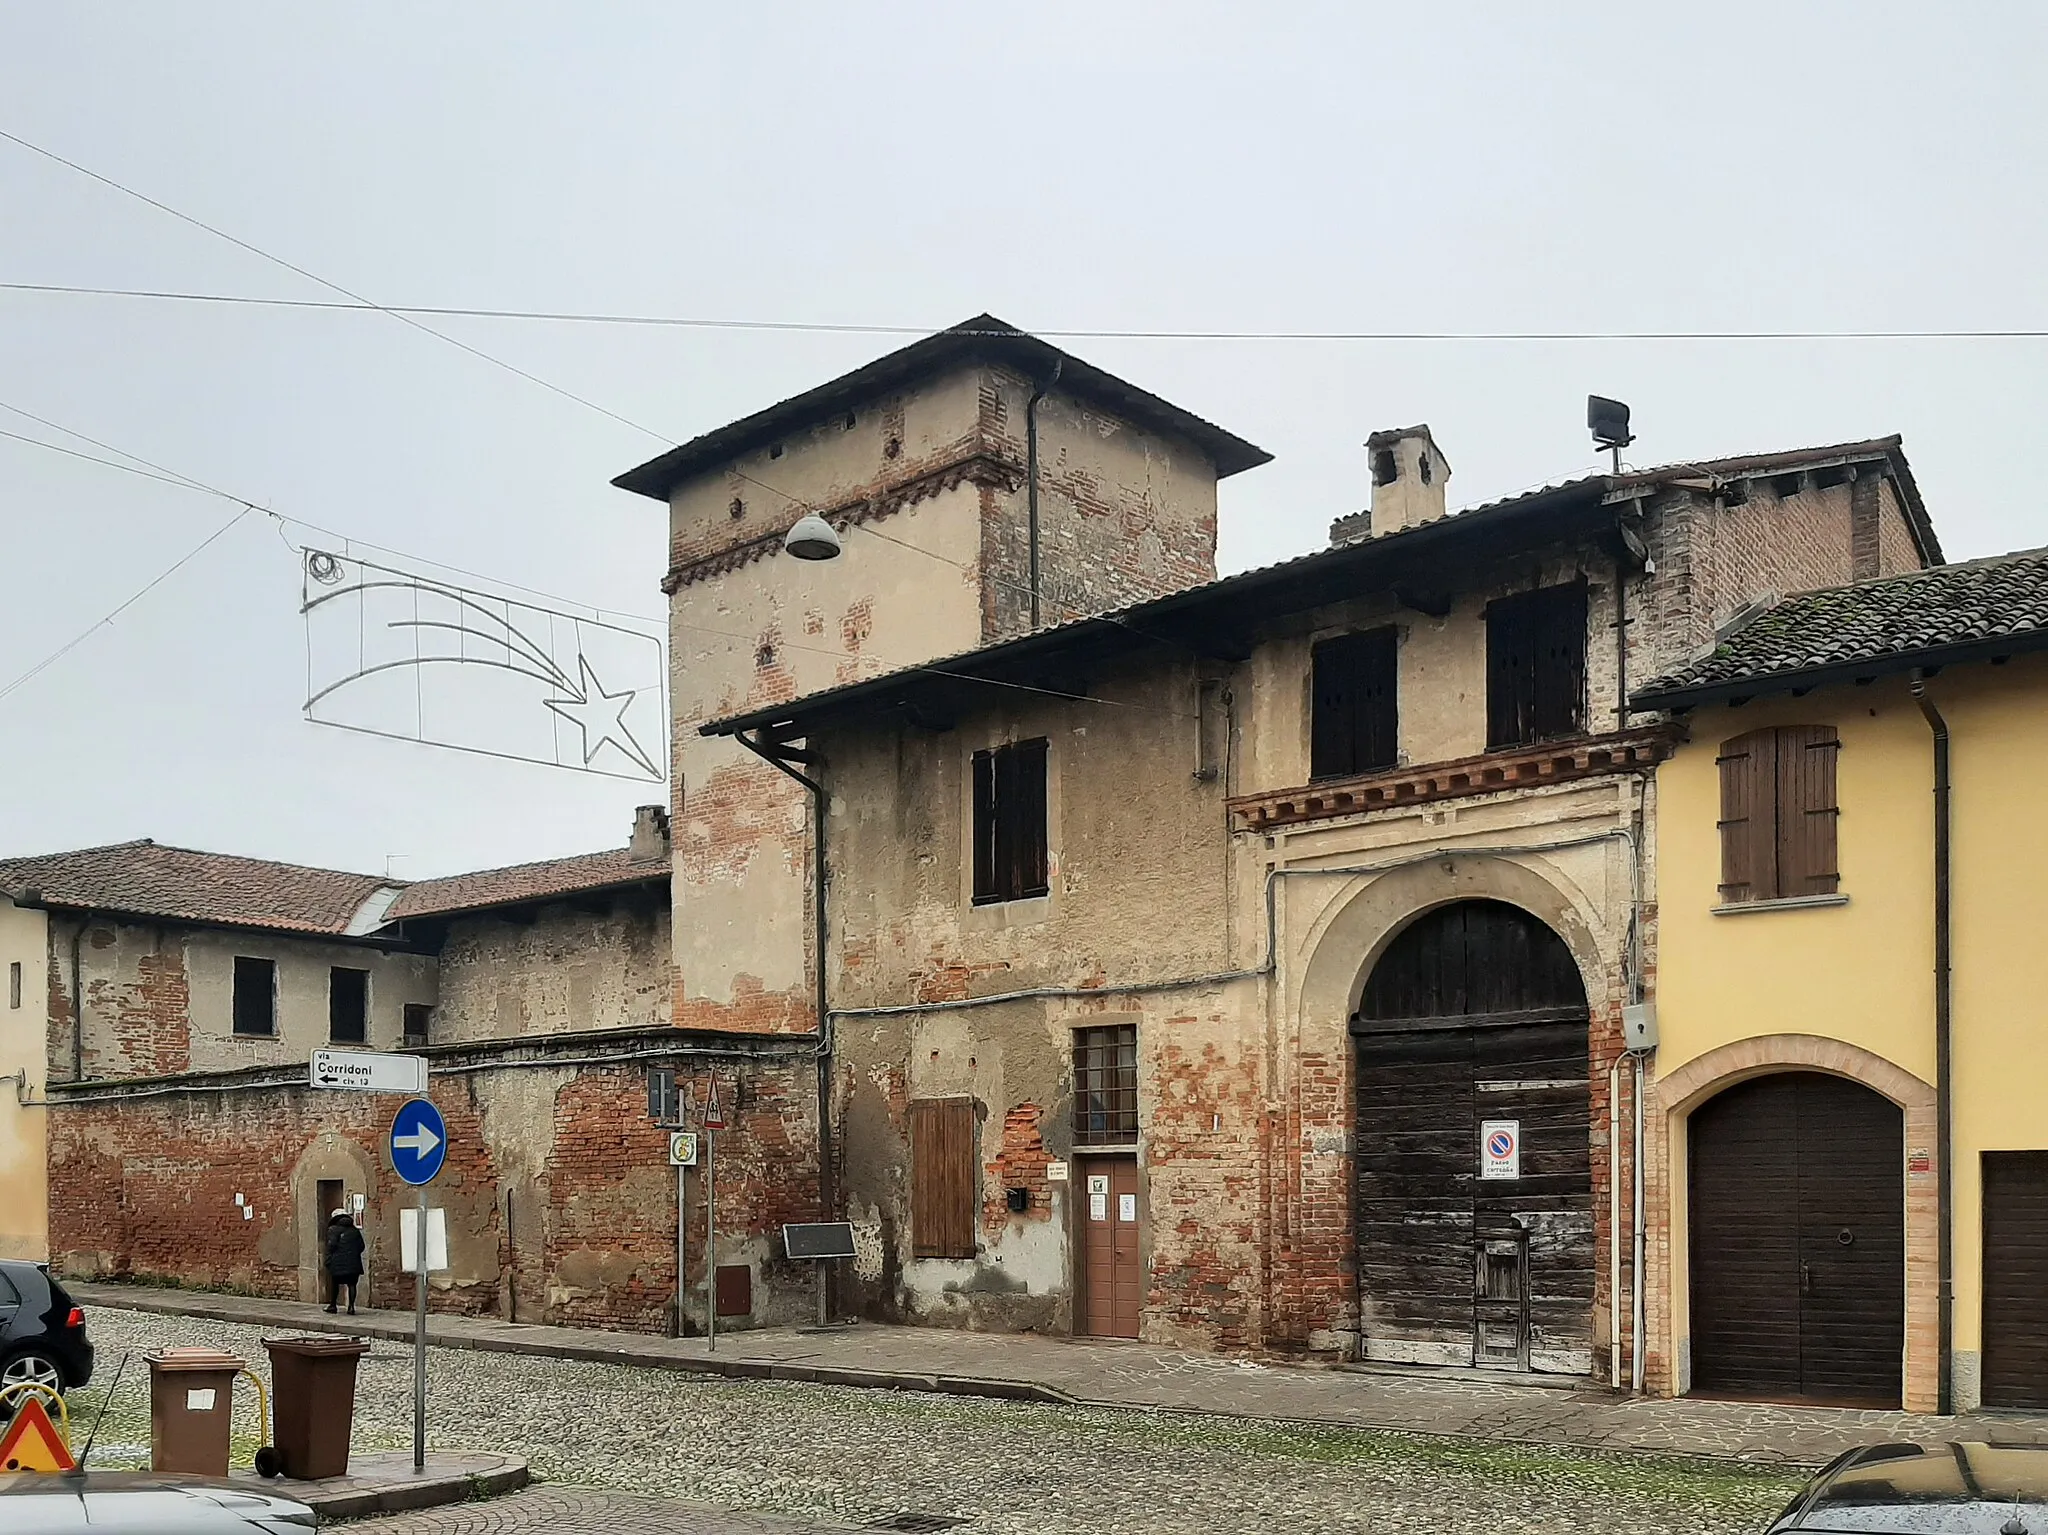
<point>1781,1170</point>
<point>1852,1243</point>
<point>1535,1074</point>
<point>1416,1159</point>
<point>1112,1273</point>
<point>2016,1279</point>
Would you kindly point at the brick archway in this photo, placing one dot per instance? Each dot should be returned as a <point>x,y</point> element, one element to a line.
<point>1705,1076</point>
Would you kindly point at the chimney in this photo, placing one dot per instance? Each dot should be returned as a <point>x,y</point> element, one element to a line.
<point>650,842</point>
<point>1409,474</point>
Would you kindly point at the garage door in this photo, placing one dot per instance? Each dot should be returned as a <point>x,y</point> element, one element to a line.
<point>1797,1217</point>
<point>2016,1279</point>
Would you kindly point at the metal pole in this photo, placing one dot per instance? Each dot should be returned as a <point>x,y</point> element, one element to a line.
<point>711,1236</point>
<point>419,1340</point>
<point>682,1229</point>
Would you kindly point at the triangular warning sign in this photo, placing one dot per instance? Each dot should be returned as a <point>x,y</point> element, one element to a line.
<point>32,1442</point>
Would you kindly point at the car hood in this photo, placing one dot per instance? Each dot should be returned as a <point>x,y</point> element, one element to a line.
<point>33,1503</point>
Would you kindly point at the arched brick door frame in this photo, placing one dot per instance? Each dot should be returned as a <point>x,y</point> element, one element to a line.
<point>1706,1076</point>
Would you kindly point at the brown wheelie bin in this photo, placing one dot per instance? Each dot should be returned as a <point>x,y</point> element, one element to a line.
<point>313,1402</point>
<point>191,1405</point>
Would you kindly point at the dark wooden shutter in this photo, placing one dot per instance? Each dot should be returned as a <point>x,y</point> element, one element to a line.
<point>1806,810</point>
<point>985,826</point>
<point>2016,1279</point>
<point>1749,816</point>
<point>1010,842</point>
<point>1354,717</point>
<point>944,1186</point>
<point>1536,665</point>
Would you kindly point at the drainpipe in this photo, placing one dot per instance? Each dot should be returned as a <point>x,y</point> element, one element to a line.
<point>1638,1320</point>
<point>827,1190</point>
<point>77,1003</point>
<point>1613,1225</point>
<point>1038,392</point>
<point>1944,1109</point>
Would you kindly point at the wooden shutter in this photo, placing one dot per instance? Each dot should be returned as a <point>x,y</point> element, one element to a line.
<point>1749,817</point>
<point>1354,718</point>
<point>1536,665</point>
<point>944,1181</point>
<point>985,826</point>
<point>1011,859</point>
<point>1806,810</point>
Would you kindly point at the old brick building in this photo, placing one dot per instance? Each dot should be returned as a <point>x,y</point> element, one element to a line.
<point>178,996</point>
<point>1182,962</point>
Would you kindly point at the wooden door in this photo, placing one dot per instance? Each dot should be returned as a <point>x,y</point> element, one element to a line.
<point>1112,1275</point>
<point>1454,1269</point>
<point>1797,1217</point>
<point>2016,1279</point>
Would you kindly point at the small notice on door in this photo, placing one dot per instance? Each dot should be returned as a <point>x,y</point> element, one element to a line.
<point>1127,1207</point>
<point>1098,1207</point>
<point>1098,1183</point>
<point>1500,1148</point>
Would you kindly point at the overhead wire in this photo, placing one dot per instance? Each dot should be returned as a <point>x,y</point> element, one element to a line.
<point>402,317</point>
<point>856,328</point>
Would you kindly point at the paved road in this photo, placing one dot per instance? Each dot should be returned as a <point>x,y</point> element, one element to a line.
<point>835,1457</point>
<point>583,1511</point>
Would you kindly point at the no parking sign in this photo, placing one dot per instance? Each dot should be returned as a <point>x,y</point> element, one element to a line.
<point>1500,1148</point>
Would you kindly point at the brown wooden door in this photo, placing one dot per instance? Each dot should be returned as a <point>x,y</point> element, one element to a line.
<point>1112,1276</point>
<point>2016,1279</point>
<point>1797,1216</point>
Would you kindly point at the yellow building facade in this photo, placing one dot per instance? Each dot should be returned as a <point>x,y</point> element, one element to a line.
<point>24,1050</point>
<point>1796,1136</point>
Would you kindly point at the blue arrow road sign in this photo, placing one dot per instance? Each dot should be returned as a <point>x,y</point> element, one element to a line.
<point>419,1141</point>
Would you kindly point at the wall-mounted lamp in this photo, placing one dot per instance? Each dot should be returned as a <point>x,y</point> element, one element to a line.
<point>812,538</point>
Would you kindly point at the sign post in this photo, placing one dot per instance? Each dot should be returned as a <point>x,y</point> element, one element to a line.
<point>682,1156</point>
<point>419,1145</point>
<point>714,1121</point>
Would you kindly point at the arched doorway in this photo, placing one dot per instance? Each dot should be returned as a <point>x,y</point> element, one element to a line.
<point>1474,1193</point>
<point>1796,1217</point>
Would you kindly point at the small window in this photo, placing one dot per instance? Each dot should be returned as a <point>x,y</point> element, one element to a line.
<point>419,1022</point>
<point>348,1006</point>
<point>1536,666</point>
<point>1778,814</point>
<point>1106,1085</point>
<point>14,983</point>
<point>1385,467</point>
<point>1353,725</point>
<point>945,1181</point>
<point>1010,860</point>
<point>255,995</point>
<point>738,509</point>
<point>775,451</point>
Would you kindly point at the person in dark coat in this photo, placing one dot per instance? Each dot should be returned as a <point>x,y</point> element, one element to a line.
<point>344,1259</point>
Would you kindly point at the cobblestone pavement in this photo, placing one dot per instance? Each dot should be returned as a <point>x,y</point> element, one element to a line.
<point>583,1511</point>
<point>837,1457</point>
<point>1140,1375</point>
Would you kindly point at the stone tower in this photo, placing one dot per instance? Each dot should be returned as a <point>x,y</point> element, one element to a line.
<point>981,482</point>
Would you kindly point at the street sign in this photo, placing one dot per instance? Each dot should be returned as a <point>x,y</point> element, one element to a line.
<point>368,1071</point>
<point>1500,1148</point>
<point>682,1148</point>
<point>409,1241</point>
<point>819,1239</point>
<point>419,1141</point>
<point>714,1116</point>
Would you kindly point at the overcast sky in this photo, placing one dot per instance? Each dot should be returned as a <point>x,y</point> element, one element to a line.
<point>1491,167</point>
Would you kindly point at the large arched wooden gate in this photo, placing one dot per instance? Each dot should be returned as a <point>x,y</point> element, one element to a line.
<point>1474,1213</point>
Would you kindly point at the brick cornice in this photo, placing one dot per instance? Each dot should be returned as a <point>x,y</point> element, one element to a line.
<point>1524,767</point>
<point>977,468</point>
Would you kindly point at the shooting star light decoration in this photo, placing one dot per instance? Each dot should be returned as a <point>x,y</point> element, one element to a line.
<point>391,652</point>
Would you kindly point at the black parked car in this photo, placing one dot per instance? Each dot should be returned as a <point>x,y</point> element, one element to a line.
<point>42,1332</point>
<point>1911,1489</point>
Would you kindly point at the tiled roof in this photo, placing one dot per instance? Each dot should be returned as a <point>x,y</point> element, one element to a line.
<point>982,338</point>
<point>1295,580</point>
<point>524,882</point>
<point>1950,613</point>
<point>146,879</point>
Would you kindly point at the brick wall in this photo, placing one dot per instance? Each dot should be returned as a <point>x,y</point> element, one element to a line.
<point>144,1188</point>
